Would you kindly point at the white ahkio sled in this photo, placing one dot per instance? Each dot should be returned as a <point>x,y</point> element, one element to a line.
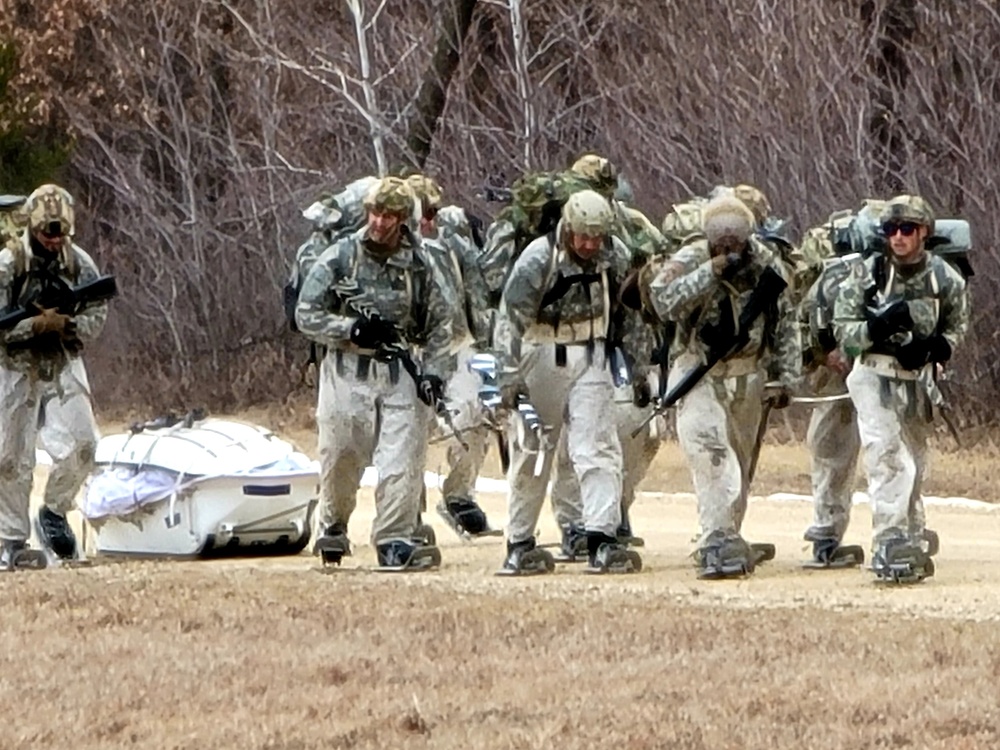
<point>196,487</point>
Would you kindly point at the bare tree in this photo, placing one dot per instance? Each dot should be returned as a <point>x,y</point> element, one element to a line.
<point>455,20</point>
<point>204,126</point>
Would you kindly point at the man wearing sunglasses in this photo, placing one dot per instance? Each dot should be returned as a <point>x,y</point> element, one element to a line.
<point>44,392</point>
<point>900,315</point>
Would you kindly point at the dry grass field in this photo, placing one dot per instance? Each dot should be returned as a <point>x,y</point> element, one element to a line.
<point>272,653</point>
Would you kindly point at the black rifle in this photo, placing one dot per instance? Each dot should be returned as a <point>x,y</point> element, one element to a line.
<point>65,299</point>
<point>350,294</point>
<point>767,290</point>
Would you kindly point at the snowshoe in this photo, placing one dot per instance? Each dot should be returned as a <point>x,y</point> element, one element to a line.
<point>726,556</point>
<point>56,534</point>
<point>612,557</point>
<point>333,545</point>
<point>400,555</point>
<point>526,559</point>
<point>829,553</point>
<point>898,560</point>
<point>17,555</point>
<point>573,547</point>
<point>466,518</point>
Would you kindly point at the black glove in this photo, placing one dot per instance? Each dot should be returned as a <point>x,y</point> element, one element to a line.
<point>431,390</point>
<point>888,321</point>
<point>642,395</point>
<point>919,352</point>
<point>373,333</point>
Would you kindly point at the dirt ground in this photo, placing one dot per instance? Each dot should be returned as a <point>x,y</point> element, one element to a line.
<point>272,653</point>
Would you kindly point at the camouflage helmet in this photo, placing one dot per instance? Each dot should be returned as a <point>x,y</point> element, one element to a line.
<point>588,212</point>
<point>726,216</point>
<point>50,209</point>
<point>908,208</point>
<point>755,200</point>
<point>391,195</point>
<point>598,172</point>
<point>426,190</point>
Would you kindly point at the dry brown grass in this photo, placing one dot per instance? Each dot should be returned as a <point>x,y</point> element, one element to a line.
<point>275,655</point>
<point>270,654</point>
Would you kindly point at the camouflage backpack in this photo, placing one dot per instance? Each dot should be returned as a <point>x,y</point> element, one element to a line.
<point>333,217</point>
<point>12,217</point>
<point>536,201</point>
<point>682,224</point>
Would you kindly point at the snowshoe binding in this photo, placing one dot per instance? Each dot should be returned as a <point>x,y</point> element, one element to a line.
<point>333,546</point>
<point>526,559</point>
<point>725,556</point>
<point>625,535</point>
<point>400,555</point>
<point>573,547</point>
<point>932,542</point>
<point>17,555</point>
<point>424,533</point>
<point>898,560</point>
<point>466,517</point>
<point>607,555</point>
<point>829,553</point>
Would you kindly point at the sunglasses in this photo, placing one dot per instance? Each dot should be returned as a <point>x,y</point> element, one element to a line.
<point>906,228</point>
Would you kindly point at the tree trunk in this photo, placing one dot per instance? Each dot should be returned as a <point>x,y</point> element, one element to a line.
<point>456,17</point>
<point>894,30</point>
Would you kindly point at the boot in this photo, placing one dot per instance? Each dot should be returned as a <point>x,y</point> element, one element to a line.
<point>16,555</point>
<point>56,533</point>
<point>400,555</point>
<point>465,516</point>
<point>830,553</point>
<point>573,547</point>
<point>333,545</point>
<point>607,555</point>
<point>724,555</point>
<point>899,559</point>
<point>526,559</point>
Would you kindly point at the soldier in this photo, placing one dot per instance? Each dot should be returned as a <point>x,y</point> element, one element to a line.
<point>709,289</point>
<point>832,436</point>
<point>900,314</point>
<point>370,298</point>
<point>634,385</point>
<point>450,227</point>
<point>556,328</point>
<point>43,380</point>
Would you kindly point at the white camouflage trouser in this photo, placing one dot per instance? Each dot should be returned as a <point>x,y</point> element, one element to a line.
<point>637,454</point>
<point>576,398</point>
<point>370,420</point>
<point>463,401</point>
<point>895,450</point>
<point>56,416</point>
<point>717,426</point>
<point>834,445</point>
